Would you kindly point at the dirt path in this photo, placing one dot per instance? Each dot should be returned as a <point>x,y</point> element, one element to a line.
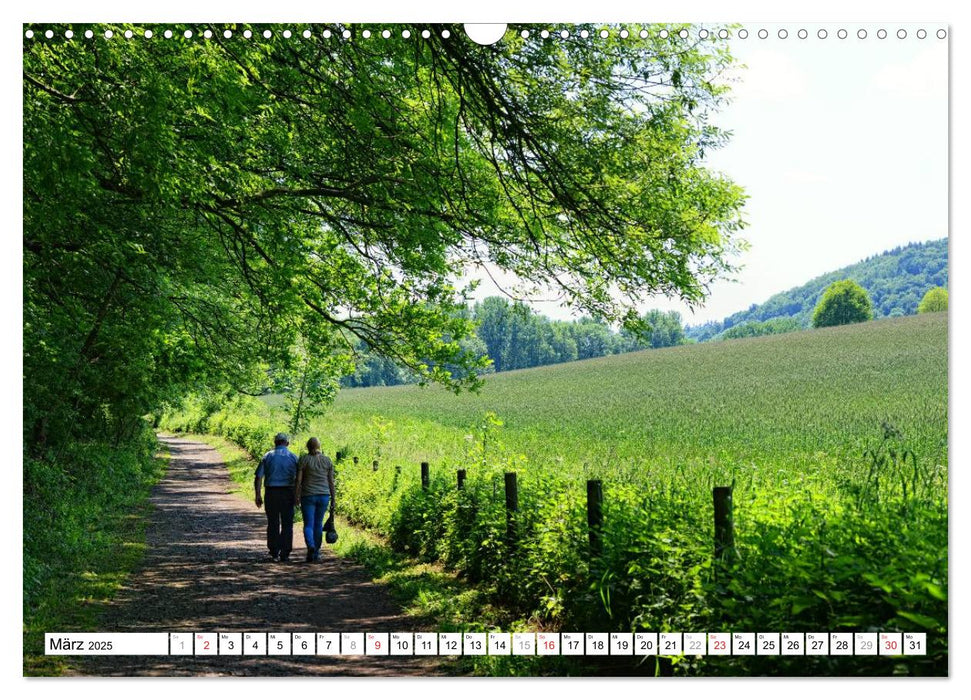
<point>207,570</point>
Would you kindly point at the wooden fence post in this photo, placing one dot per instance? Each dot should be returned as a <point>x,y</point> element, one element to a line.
<point>425,480</point>
<point>724,523</point>
<point>512,505</point>
<point>595,517</point>
<point>374,465</point>
<point>460,474</point>
<point>355,461</point>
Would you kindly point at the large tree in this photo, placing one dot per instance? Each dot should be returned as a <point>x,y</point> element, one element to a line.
<point>934,300</point>
<point>197,209</point>
<point>843,302</point>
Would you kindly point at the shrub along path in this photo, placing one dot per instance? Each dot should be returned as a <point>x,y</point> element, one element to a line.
<point>207,570</point>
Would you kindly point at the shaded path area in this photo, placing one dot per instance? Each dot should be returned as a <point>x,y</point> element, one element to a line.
<point>207,570</point>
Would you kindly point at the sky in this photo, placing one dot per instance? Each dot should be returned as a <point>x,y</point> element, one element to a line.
<point>841,146</point>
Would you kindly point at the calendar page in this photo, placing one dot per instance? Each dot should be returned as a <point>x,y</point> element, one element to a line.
<point>531,349</point>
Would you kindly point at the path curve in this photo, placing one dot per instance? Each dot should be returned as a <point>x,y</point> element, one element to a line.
<point>207,570</point>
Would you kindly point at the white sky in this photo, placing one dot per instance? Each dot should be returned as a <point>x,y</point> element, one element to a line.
<point>841,145</point>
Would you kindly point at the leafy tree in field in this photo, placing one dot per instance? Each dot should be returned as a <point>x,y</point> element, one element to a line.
<point>934,300</point>
<point>593,339</point>
<point>843,302</point>
<point>196,210</point>
<point>515,337</point>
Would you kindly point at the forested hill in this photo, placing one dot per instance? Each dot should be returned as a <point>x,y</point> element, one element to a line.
<point>896,280</point>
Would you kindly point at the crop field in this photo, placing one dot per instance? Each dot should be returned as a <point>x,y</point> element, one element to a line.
<point>805,403</point>
<point>835,441</point>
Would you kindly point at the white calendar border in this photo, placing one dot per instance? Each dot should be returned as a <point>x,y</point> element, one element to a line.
<point>515,10</point>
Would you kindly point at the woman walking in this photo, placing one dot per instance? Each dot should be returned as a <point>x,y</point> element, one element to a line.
<point>315,492</point>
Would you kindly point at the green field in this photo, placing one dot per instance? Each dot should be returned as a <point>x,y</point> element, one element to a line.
<point>804,402</point>
<point>835,441</point>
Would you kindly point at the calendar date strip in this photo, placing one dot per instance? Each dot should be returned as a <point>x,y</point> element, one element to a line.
<point>673,644</point>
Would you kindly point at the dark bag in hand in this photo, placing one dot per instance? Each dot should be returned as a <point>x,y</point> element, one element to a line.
<point>330,532</point>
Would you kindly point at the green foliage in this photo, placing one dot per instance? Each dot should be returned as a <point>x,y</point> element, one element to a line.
<point>373,370</point>
<point>894,280</point>
<point>310,383</point>
<point>513,336</point>
<point>81,534</point>
<point>836,443</point>
<point>231,215</point>
<point>244,420</point>
<point>197,211</point>
<point>843,302</point>
<point>516,337</point>
<point>752,329</point>
<point>664,329</point>
<point>935,300</point>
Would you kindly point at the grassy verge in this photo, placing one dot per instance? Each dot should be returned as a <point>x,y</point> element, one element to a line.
<point>102,541</point>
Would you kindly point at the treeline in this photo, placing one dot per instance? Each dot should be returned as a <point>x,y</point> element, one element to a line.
<point>751,329</point>
<point>514,336</point>
<point>896,281</point>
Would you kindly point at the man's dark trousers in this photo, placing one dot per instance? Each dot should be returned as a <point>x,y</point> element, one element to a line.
<point>279,520</point>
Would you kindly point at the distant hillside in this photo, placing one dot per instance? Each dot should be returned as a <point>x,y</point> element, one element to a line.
<point>896,281</point>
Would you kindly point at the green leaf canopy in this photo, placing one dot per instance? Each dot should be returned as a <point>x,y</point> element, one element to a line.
<point>196,208</point>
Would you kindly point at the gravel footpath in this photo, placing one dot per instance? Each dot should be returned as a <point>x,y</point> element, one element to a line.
<point>207,570</point>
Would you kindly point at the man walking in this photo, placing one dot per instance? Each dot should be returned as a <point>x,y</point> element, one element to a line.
<point>278,469</point>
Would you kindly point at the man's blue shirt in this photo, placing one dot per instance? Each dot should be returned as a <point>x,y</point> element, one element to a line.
<point>278,467</point>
